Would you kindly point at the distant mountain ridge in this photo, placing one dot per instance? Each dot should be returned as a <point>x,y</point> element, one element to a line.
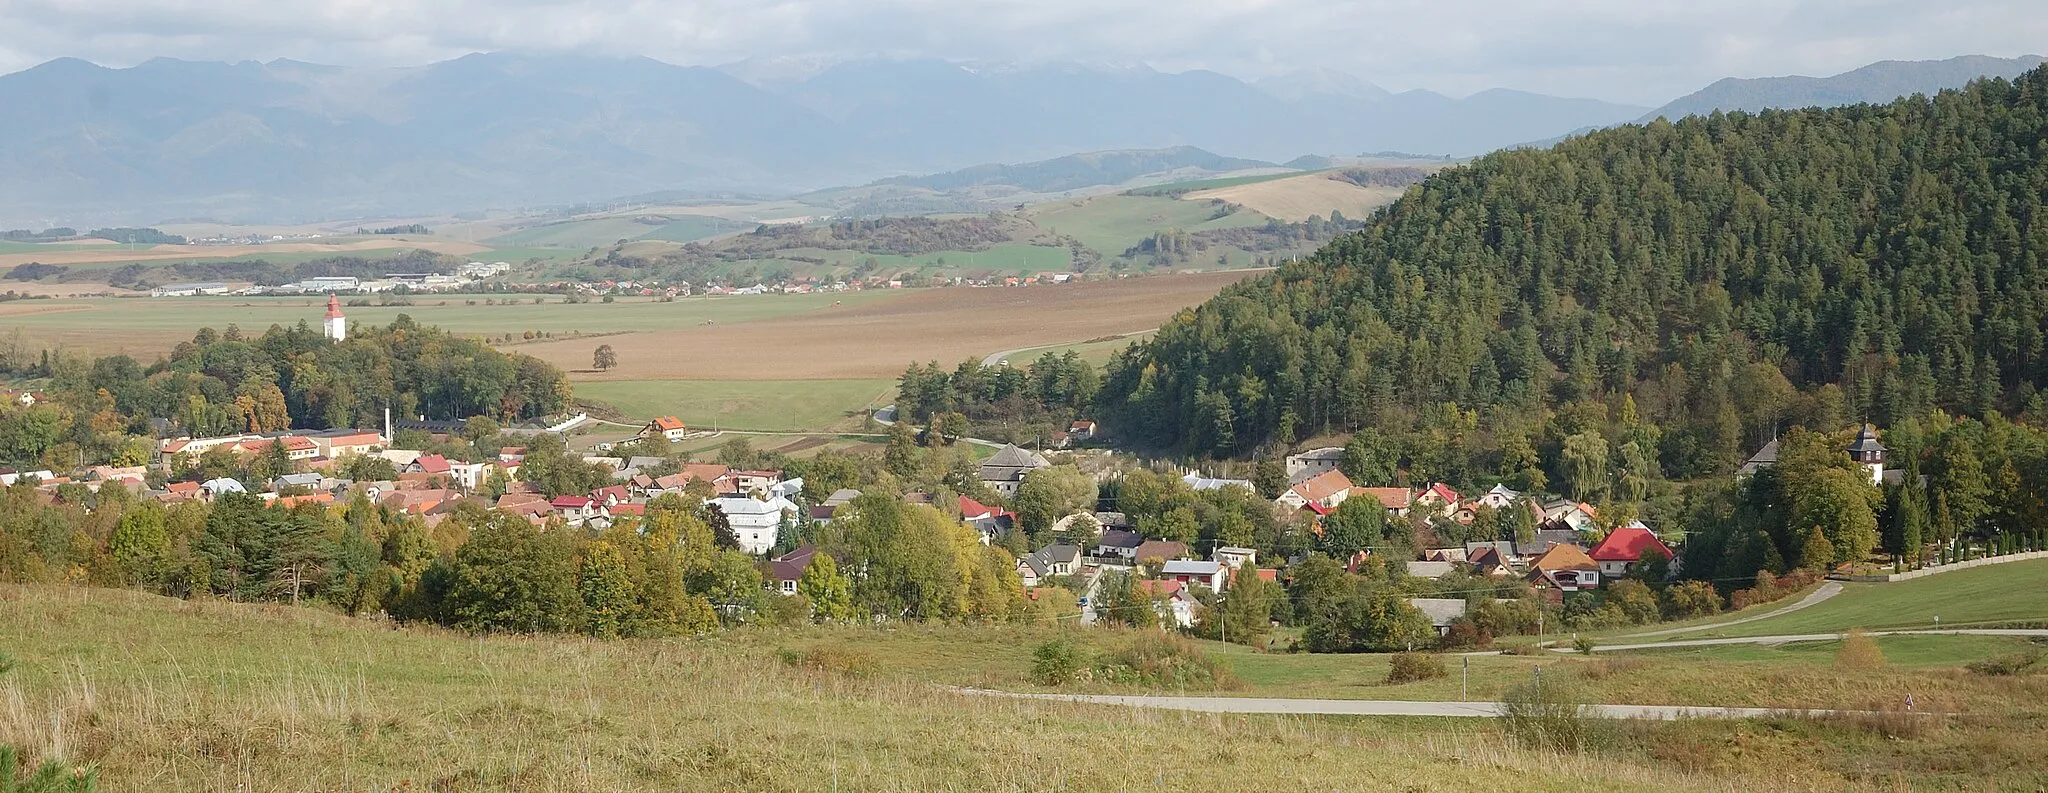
<point>1076,171</point>
<point>1877,83</point>
<point>291,141</point>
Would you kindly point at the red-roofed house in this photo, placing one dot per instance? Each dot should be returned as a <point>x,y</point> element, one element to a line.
<point>581,510</point>
<point>1625,546</point>
<point>1395,499</point>
<point>339,446</point>
<point>612,495</point>
<point>1439,499</point>
<point>1327,489</point>
<point>429,464</point>
<point>668,427</point>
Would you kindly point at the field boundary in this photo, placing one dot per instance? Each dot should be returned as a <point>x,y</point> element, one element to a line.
<point>1939,569</point>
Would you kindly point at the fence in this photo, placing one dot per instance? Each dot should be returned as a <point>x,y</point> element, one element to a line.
<point>1927,571</point>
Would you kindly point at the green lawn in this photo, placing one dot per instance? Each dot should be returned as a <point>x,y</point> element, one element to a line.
<point>694,227</point>
<point>1171,188</point>
<point>576,234</point>
<point>1909,651</point>
<point>1995,593</point>
<point>774,405</point>
<point>1113,223</point>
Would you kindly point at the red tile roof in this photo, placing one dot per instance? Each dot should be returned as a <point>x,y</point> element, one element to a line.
<point>432,464</point>
<point>666,423</point>
<point>1391,497</point>
<point>1323,485</point>
<point>1627,544</point>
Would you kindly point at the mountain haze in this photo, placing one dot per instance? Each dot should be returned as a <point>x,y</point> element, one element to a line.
<point>1879,82</point>
<point>290,141</point>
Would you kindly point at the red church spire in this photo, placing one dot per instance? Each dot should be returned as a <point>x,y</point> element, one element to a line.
<point>333,307</point>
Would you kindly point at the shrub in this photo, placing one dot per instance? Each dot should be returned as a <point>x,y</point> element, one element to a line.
<point>1524,649</point>
<point>1583,644</point>
<point>1168,661</point>
<point>1463,633</point>
<point>1411,667</point>
<point>1859,651</point>
<point>50,777</point>
<point>1542,717</point>
<point>832,660</point>
<point>1055,663</point>
<point>2008,665</point>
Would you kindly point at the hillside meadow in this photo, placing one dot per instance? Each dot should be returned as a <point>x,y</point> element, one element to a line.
<point>164,695</point>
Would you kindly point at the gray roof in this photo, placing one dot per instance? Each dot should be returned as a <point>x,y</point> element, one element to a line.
<point>1429,569</point>
<point>841,496</point>
<point>644,461</point>
<point>1866,440</point>
<point>1766,456</point>
<point>1440,611</point>
<point>1191,567</point>
<point>1546,538</point>
<point>1010,463</point>
<point>1118,538</point>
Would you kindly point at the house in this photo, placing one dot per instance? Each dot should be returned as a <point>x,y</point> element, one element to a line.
<point>1440,611</point>
<point>1564,568</point>
<point>757,481</point>
<point>754,523</point>
<point>295,447</point>
<point>784,571</point>
<point>1113,520</point>
<point>1119,543</point>
<point>611,496</point>
<point>1198,483</point>
<point>347,444</point>
<point>1488,561</point>
<point>1194,571</point>
<point>181,491</point>
<point>469,476</point>
<point>1234,557</point>
<point>1005,469</point>
<point>1544,539</point>
<point>1047,562</point>
<point>989,521</point>
<point>1395,499</point>
<point>1325,490</point>
<point>1313,462</point>
<point>430,464</point>
<point>1500,497</point>
<point>1625,546</point>
<point>1575,515</point>
<point>791,489</point>
<point>215,488</point>
<point>1081,431</point>
<point>1430,569</point>
<point>581,511</point>
<point>1174,601</point>
<point>1438,499</point>
<point>1162,550</point>
<point>668,427</point>
<point>1764,458</point>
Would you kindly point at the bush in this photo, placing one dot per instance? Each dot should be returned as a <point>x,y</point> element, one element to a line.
<point>1168,661</point>
<point>1583,644</point>
<point>2008,665</point>
<point>1411,667</point>
<point>50,777</point>
<point>1859,651</point>
<point>1542,717</point>
<point>1055,663</point>
<point>832,660</point>
<point>1463,634</point>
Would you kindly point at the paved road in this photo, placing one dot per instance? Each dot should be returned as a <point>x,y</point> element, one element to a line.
<point>995,357</point>
<point>1384,707</point>
<point>1814,598</point>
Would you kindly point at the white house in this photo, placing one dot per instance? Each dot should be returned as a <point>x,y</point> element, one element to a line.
<point>1235,558</point>
<point>1500,497</point>
<point>1194,571</point>
<point>754,523</point>
<point>1312,462</point>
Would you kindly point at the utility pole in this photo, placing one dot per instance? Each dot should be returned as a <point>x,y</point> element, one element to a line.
<point>1465,680</point>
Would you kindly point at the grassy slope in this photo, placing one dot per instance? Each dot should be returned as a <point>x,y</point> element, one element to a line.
<point>172,696</point>
<point>775,405</point>
<point>1113,223</point>
<point>1994,593</point>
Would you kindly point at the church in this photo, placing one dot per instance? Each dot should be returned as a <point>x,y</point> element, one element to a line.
<point>337,325</point>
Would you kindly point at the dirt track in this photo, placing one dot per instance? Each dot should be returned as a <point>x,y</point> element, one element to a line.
<point>877,340</point>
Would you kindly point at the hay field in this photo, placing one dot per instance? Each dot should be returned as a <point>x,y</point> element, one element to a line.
<point>771,405</point>
<point>875,341</point>
<point>1297,197</point>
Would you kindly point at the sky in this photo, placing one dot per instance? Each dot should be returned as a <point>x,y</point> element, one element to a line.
<point>1638,51</point>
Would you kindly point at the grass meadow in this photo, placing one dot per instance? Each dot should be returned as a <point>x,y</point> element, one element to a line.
<point>164,695</point>
<point>771,405</point>
<point>2014,592</point>
<point>1113,223</point>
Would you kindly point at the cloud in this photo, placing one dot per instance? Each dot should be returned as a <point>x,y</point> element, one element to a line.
<point>1644,51</point>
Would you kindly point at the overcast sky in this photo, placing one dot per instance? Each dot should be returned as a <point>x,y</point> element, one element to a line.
<point>1641,51</point>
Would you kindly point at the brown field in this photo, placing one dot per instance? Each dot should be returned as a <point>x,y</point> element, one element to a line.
<point>876,340</point>
<point>175,252</point>
<point>1298,197</point>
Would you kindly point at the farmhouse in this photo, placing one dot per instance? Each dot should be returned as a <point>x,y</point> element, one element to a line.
<point>1325,490</point>
<point>1194,571</point>
<point>668,427</point>
<point>1005,469</point>
<point>1626,546</point>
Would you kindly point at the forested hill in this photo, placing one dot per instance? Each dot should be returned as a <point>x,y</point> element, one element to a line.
<point>1731,274</point>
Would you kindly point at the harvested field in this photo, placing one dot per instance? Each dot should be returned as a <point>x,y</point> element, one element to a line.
<point>75,255</point>
<point>877,340</point>
<point>1296,198</point>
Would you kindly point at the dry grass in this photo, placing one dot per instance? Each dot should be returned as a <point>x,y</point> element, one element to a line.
<point>877,340</point>
<point>165,695</point>
<point>167,253</point>
<point>1859,652</point>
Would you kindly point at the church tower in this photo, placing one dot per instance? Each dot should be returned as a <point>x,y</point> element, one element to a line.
<point>337,325</point>
<point>1867,452</point>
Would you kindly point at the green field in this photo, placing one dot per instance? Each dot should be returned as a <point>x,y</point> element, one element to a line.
<point>142,322</point>
<point>1113,223</point>
<point>1172,189</point>
<point>694,227</point>
<point>575,234</point>
<point>2013,592</point>
<point>773,405</point>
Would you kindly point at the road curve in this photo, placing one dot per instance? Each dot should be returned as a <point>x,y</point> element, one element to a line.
<point>1387,707</point>
<point>995,357</point>
<point>1814,598</point>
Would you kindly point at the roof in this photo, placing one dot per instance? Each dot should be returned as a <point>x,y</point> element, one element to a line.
<point>1322,486</point>
<point>1443,491</point>
<point>1545,538</point>
<point>790,566</point>
<point>1390,497</point>
<point>841,496</point>
<point>1627,544</point>
<point>1011,456</point>
<point>333,307</point>
<point>1199,482</point>
<point>1440,611</point>
<point>1563,557</point>
<point>1191,567</point>
<point>1118,538</point>
<point>1429,569</point>
<point>971,509</point>
<point>432,464</point>
<point>571,502</point>
<point>748,506</point>
<point>1764,457</point>
<point>1161,549</point>
<point>1083,425</point>
<point>1866,440</point>
<point>1161,587</point>
<point>1324,453</point>
<point>666,423</point>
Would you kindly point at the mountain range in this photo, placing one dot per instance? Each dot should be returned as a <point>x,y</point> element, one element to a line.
<point>286,141</point>
<point>1877,83</point>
